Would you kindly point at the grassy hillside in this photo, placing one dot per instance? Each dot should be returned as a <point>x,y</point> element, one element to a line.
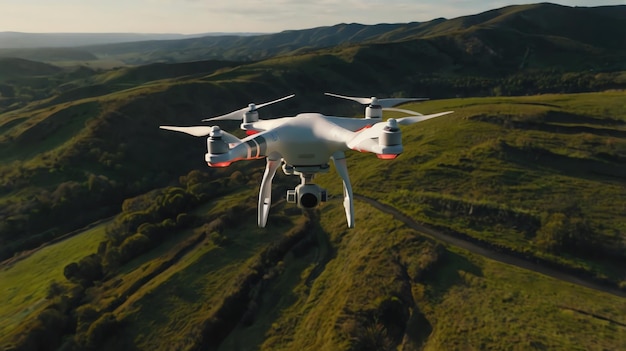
<point>183,265</point>
<point>95,141</point>
<point>379,286</point>
<point>516,35</point>
<point>517,161</point>
<point>510,173</point>
<point>27,283</point>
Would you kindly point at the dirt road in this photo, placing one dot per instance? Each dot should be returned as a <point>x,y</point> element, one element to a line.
<point>492,253</point>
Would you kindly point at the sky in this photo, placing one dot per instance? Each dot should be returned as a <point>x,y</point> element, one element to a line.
<point>203,16</point>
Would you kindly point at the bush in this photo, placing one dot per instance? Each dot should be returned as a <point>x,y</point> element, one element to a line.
<point>218,239</point>
<point>101,329</point>
<point>86,315</point>
<point>134,246</point>
<point>86,271</point>
<point>573,234</point>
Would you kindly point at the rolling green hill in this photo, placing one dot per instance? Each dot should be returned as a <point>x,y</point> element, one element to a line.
<point>517,35</point>
<point>537,176</point>
<point>537,35</point>
<point>101,126</point>
<point>507,173</point>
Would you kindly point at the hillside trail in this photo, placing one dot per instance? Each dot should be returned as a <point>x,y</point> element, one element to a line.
<point>490,252</point>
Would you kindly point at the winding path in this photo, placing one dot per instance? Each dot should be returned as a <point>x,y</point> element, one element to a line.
<point>492,253</point>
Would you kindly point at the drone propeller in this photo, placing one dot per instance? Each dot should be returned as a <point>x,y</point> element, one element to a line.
<point>239,114</point>
<point>408,112</point>
<point>419,118</point>
<point>200,131</point>
<point>391,124</point>
<point>373,101</point>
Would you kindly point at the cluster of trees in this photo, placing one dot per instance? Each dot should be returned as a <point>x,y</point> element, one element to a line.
<point>34,220</point>
<point>572,233</point>
<point>555,231</point>
<point>528,82</point>
<point>145,221</point>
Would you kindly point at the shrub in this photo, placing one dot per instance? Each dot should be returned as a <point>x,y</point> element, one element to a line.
<point>102,328</point>
<point>134,246</point>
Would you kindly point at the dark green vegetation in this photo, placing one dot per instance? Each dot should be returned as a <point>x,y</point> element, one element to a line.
<point>182,265</point>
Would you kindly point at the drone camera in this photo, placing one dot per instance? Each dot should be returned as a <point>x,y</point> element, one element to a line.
<point>307,195</point>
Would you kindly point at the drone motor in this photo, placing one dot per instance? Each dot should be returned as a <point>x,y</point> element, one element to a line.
<point>250,117</point>
<point>374,110</point>
<point>391,134</point>
<point>215,143</point>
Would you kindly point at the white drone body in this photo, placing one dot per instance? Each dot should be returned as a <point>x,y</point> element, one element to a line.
<point>304,144</point>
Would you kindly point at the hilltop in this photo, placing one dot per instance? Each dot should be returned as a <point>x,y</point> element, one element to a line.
<point>19,40</point>
<point>536,36</point>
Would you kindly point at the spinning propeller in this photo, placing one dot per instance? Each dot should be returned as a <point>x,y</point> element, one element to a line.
<point>241,113</point>
<point>374,101</point>
<point>375,106</point>
<point>212,131</point>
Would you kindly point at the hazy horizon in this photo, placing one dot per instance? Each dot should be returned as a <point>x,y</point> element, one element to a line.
<point>236,16</point>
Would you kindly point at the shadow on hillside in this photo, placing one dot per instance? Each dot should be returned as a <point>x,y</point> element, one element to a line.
<point>560,123</point>
<point>586,168</point>
<point>569,129</point>
<point>12,123</point>
<point>276,292</point>
<point>448,272</point>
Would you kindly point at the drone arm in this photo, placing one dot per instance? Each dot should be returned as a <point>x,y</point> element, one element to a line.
<point>339,158</point>
<point>250,148</point>
<point>383,139</point>
<point>265,193</point>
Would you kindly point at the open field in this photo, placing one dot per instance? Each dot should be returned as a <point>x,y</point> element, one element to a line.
<point>25,283</point>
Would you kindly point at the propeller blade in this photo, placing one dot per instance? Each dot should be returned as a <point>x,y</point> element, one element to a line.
<point>275,101</point>
<point>408,112</point>
<point>396,101</point>
<point>363,101</point>
<point>420,118</point>
<point>238,115</point>
<point>375,101</point>
<point>374,131</point>
<point>200,131</point>
<point>197,131</point>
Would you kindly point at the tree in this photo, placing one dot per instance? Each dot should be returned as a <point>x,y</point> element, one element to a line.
<point>550,236</point>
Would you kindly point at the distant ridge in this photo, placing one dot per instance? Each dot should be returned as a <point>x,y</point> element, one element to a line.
<point>20,40</point>
<point>17,67</point>
<point>595,28</point>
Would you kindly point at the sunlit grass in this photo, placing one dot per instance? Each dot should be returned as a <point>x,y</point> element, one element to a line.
<point>24,284</point>
<point>531,168</point>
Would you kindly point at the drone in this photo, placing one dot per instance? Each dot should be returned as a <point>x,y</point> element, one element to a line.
<point>303,145</point>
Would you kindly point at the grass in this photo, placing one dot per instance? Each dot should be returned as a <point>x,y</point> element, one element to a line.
<point>504,307</point>
<point>467,302</point>
<point>25,283</point>
<point>195,286</point>
<point>464,160</point>
<point>384,284</point>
